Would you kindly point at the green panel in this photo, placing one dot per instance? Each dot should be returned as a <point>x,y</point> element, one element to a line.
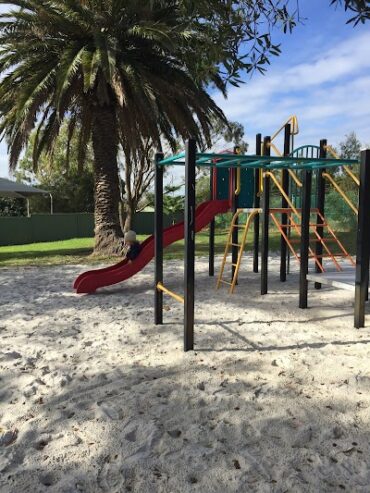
<point>246,197</point>
<point>46,227</point>
<point>143,222</point>
<point>15,230</point>
<point>222,184</point>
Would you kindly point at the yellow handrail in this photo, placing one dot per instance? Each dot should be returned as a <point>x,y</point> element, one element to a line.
<point>295,178</point>
<point>281,190</point>
<point>349,172</point>
<point>238,181</point>
<point>273,146</point>
<point>177,297</point>
<point>341,192</point>
<point>294,129</point>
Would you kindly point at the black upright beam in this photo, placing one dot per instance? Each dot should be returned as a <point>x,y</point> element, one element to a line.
<point>284,205</point>
<point>320,198</point>
<point>235,232</point>
<point>189,257</point>
<point>212,228</point>
<point>158,240</point>
<point>363,240</point>
<point>305,237</point>
<point>265,222</point>
<point>256,205</point>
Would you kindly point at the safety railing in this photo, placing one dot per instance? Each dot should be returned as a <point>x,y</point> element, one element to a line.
<point>297,227</point>
<point>294,130</point>
<point>349,172</point>
<point>341,192</point>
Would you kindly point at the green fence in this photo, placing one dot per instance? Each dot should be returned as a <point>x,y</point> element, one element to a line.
<point>47,227</point>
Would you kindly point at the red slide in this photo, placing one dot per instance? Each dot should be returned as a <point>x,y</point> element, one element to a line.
<point>90,281</point>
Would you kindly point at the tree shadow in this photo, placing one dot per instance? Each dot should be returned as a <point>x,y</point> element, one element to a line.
<point>190,426</point>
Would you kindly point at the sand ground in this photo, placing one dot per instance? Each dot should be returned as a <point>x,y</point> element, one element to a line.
<point>96,398</point>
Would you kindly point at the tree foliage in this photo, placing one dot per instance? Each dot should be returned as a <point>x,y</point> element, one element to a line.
<point>350,147</point>
<point>360,8</point>
<point>72,189</point>
<point>10,207</point>
<point>128,72</point>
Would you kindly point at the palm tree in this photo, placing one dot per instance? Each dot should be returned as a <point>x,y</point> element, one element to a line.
<point>113,70</point>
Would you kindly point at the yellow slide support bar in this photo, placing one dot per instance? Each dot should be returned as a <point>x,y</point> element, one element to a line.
<point>173,295</point>
<point>341,192</point>
<point>349,172</point>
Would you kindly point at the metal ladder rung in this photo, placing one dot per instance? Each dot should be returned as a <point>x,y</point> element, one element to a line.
<point>226,282</point>
<point>315,240</point>
<point>326,255</point>
<point>235,244</point>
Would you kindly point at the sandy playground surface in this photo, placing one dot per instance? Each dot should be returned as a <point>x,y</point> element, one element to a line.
<point>95,398</point>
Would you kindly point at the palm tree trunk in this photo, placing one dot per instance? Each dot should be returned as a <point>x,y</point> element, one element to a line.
<point>108,232</point>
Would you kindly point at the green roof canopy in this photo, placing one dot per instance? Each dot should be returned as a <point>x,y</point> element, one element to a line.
<point>262,162</point>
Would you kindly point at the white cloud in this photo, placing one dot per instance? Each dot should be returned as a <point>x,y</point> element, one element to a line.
<point>330,95</point>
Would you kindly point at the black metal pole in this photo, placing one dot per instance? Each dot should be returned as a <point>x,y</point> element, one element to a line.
<point>320,194</point>
<point>212,228</point>
<point>284,205</point>
<point>363,240</point>
<point>189,257</point>
<point>158,240</point>
<point>305,237</point>
<point>257,203</point>
<point>265,222</point>
<point>235,232</point>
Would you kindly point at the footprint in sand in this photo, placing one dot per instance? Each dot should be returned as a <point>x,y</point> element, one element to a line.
<point>49,479</point>
<point>109,410</point>
<point>111,475</point>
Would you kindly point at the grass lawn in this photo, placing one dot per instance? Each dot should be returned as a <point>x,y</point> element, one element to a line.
<point>79,250</point>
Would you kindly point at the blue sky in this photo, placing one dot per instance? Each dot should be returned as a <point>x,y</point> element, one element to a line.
<point>322,76</point>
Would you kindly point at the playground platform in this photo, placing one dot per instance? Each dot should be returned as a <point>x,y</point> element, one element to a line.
<point>344,279</point>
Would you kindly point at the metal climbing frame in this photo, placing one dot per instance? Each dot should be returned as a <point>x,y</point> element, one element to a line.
<point>252,213</point>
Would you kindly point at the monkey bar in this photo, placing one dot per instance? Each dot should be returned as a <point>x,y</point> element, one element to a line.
<point>215,160</point>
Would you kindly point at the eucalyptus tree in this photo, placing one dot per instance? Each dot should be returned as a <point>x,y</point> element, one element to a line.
<point>125,71</point>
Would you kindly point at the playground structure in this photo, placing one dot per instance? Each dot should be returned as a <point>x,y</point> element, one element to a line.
<point>317,247</point>
<point>242,184</point>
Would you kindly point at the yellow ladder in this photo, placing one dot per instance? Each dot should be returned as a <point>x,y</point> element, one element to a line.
<point>234,224</point>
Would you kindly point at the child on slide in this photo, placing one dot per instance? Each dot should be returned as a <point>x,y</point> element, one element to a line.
<point>133,247</point>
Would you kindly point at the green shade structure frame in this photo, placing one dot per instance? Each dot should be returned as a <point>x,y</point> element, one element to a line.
<point>215,160</point>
